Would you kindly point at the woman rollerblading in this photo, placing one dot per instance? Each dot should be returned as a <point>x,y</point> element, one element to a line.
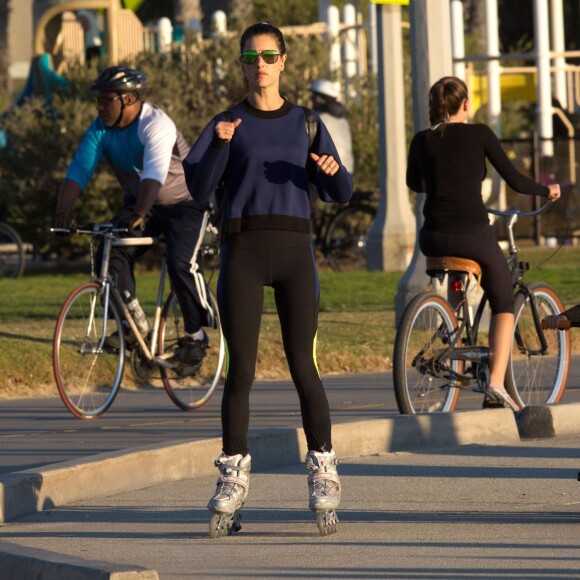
<point>261,150</point>
<point>323,489</point>
<point>231,492</point>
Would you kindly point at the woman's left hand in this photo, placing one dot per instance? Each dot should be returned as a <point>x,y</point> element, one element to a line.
<point>326,163</point>
<point>554,193</point>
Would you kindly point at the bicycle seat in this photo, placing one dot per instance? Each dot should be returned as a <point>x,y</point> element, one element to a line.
<point>444,264</point>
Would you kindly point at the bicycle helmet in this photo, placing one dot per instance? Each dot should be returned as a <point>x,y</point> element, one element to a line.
<point>120,79</point>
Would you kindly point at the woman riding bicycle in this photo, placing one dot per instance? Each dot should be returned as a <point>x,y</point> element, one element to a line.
<point>448,163</point>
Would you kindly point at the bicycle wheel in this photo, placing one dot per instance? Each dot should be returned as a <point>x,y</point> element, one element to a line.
<point>535,377</point>
<point>421,375</point>
<point>12,255</point>
<point>346,238</point>
<point>88,377</point>
<point>191,392</point>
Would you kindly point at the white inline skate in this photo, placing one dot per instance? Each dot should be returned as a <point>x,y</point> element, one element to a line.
<point>323,489</point>
<point>232,489</point>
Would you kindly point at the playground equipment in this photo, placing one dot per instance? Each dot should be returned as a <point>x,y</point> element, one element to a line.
<point>124,34</point>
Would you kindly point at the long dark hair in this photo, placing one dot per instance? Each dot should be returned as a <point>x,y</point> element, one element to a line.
<point>445,98</point>
<point>263,29</point>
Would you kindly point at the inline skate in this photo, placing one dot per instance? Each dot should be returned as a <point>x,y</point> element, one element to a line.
<point>232,489</point>
<point>323,489</point>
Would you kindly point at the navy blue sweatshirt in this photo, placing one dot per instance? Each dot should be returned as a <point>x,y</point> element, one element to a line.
<point>449,168</point>
<point>265,169</point>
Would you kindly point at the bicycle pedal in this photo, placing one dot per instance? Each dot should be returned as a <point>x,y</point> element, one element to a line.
<point>162,362</point>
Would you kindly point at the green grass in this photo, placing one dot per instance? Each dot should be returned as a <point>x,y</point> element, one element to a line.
<point>356,322</point>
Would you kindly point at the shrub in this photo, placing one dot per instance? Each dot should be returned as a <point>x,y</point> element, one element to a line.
<point>191,87</point>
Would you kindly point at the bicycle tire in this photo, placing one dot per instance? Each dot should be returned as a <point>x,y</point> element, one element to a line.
<point>191,392</point>
<point>427,326</point>
<point>88,379</point>
<point>346,238</point>
<point>534,378</point>
<point>12,254</point>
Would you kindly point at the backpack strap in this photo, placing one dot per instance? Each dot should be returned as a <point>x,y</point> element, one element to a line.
<point>311,126</point>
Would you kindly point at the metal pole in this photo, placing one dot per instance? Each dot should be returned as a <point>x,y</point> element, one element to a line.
<point>493,66</point>
<point>544,101</point>
<point>430,60</point>
<point>458,38</point>
<point>559,46</point>
<point>392,234</point>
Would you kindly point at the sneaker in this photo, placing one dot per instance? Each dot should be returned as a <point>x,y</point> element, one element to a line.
<point>113,343</point>
<point>189,355</point>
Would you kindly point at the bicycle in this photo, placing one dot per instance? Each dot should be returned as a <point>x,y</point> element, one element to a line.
<point>436,350</point>
<point>88,372</point>
<point>12,252</point>
<point>341,234</point>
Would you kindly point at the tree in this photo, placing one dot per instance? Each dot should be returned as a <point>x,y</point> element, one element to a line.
<point>186,10</point>
<point>4,78</point>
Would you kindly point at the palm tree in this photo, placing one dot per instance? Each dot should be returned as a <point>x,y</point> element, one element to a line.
<point>4,79</point>
<point>186,10</point>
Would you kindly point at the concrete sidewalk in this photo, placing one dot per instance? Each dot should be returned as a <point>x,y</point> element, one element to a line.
<point>142,514</point>
<point>473,511</point>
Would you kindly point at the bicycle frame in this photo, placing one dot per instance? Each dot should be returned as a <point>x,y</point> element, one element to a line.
<point>104,279</point>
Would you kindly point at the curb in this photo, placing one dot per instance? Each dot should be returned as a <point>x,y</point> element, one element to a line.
<point>19,563</point>
<point>32,491</point>
<point>549,421</point>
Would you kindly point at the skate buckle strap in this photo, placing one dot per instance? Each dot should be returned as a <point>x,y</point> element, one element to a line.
<point>232,479</point>
<point>229,468</point>
<point>320,484</point>
<point>322,465</point>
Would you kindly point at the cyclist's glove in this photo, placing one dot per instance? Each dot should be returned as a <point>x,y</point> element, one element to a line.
<point>134,223</point>
<point>64,220</point>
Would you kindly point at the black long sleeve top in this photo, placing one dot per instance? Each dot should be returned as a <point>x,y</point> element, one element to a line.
<point>450,166</point>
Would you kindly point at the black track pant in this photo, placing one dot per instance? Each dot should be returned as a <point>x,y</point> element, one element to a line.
<point>182,226</point>
<point>285,261</point>
<point>478,243</point>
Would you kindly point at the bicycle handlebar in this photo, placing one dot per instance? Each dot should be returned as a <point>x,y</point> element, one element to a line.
<point>96,229</point>
<point>562,325</point>
<point>518,213</point>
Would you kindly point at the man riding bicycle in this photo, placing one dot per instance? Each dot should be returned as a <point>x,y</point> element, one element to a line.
<point>145,150</point>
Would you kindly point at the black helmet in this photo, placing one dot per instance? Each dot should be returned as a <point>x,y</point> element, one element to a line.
<point>120,79</point>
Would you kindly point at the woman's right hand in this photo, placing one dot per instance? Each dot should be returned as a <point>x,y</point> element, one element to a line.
<point>554,193</point>
<point>225,131</point>
<point>555,322</point>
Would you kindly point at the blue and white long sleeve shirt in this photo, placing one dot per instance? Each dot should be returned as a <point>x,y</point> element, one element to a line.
<point>149,148</point>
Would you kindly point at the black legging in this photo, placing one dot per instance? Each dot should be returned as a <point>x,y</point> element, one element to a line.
<point>182,226</point>
<point>479,243</point>
<point>285,261</point>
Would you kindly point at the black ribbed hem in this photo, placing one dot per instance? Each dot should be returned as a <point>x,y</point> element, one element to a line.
<point>269,222</point>
<point>319,437</point>
<point>235,445</point>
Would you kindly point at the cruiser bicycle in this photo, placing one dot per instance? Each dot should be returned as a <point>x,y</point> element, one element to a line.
<point>341,232</point>
<point>88,372</point>
<point>438,350</point>
<point>12,252</point>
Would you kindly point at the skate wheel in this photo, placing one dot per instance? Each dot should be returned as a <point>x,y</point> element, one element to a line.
<point>222,525</point>
<point>327,522</point>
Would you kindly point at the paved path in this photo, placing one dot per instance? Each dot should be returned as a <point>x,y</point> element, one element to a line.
<point>453,495</point>
<point>475,511</point>
<point>37,432</point>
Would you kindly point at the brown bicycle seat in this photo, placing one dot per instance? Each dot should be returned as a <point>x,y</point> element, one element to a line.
<point>444,264</point>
